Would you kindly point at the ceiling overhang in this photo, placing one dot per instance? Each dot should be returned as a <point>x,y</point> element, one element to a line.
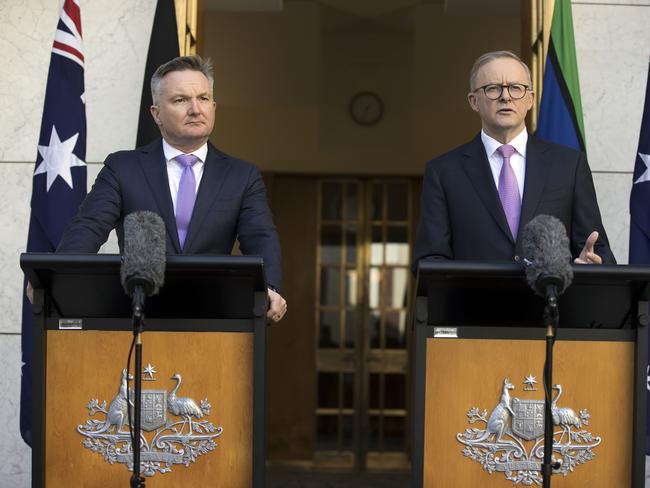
<point>376,8</point>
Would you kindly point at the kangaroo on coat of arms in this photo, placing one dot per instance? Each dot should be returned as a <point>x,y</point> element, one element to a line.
<point>174,441</point>
<point>512,441</point>
<point>499,418</point>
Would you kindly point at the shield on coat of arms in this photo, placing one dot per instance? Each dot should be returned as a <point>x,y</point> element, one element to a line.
<point>153,405</point>
<point>528,419</point>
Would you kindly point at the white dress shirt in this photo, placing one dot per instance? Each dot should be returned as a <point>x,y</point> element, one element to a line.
<point>517,160</point>
<point>175,169</point>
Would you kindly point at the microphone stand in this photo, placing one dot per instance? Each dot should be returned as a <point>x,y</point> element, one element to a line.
<point>551,319</point>
<point>137,481</point>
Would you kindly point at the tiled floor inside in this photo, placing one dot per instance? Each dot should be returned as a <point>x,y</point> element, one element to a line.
<point>336,480</point>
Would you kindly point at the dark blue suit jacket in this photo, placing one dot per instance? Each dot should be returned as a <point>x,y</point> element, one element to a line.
<point>462,216</point>
<point>231,203</point>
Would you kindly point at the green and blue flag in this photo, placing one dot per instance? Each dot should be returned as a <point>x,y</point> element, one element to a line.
<point>560,113</point>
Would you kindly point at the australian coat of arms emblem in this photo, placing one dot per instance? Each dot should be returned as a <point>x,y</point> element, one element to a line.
<point>512,440</point>
<point>174,428</point>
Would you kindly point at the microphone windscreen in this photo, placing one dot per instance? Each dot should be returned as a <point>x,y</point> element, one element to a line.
<point>547,254</point>
<point>144,252</point>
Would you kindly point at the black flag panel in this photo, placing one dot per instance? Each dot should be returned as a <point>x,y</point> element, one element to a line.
<point>163,46</point>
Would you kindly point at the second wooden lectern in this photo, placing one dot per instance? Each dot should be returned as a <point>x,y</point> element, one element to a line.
<point>479,358</point>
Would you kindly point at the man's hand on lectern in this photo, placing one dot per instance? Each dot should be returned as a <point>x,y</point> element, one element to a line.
<point>277,306</point>
<point>29,291</point>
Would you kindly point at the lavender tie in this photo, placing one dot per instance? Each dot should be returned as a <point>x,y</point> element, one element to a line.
<point>509,190</point>
<point>186,195</point>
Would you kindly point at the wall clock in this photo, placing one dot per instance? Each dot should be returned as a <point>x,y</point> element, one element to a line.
<point>366,108</point>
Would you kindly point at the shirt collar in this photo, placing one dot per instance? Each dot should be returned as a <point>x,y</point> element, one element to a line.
<point>518,142</point>
<point>171,152</point>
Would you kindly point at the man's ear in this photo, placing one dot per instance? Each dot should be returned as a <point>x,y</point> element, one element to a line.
<point>473,102</point>
<point>531,99</point>
<point>154,110</point>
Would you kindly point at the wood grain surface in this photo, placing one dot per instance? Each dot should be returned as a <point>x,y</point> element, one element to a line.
<point>466,373</point>
<point>83,365</point>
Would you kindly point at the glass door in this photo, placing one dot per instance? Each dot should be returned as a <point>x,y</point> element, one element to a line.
<point>363,282</point>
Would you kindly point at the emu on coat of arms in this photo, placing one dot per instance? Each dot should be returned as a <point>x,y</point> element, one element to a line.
<point>180,432</point>
<point>512,441</point>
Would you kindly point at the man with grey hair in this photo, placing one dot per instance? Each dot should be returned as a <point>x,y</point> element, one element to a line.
<point>477,197</point>
<point>206,198</point>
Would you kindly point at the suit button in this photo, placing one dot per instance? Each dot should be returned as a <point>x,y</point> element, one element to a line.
<point>517,259</point>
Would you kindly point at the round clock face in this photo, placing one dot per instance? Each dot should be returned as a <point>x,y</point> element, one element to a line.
<point>366,108</point>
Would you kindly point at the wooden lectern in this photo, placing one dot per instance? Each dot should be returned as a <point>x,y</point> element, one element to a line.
<point>479,359</point>
<point>203,400</point>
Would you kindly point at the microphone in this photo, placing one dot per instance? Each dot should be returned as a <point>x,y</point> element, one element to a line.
<point>142,274</point>
<point>547,257</point>
<point>143,263</point>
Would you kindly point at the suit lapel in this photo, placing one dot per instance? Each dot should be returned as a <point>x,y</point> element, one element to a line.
<point>536,173</point>
<point>478,170</point>
<point>211,183</point>
<point>152,162</point>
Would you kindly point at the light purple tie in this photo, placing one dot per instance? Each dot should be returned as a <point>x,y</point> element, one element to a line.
<point>509,190</point>
<point>186,195</point>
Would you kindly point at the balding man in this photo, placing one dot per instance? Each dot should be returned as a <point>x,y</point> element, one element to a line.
<point>477,198</point>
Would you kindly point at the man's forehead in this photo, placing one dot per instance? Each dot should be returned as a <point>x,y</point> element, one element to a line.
<point>186,79</point>
<point>500,68</point>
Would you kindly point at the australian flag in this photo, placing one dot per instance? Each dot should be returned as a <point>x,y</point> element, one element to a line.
<point>59,180</point>
<point>640,207</point>
<point>640,198</point>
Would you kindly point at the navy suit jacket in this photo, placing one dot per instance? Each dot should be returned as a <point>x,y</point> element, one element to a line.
<point>462,216</point>
<point>231,203</point>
